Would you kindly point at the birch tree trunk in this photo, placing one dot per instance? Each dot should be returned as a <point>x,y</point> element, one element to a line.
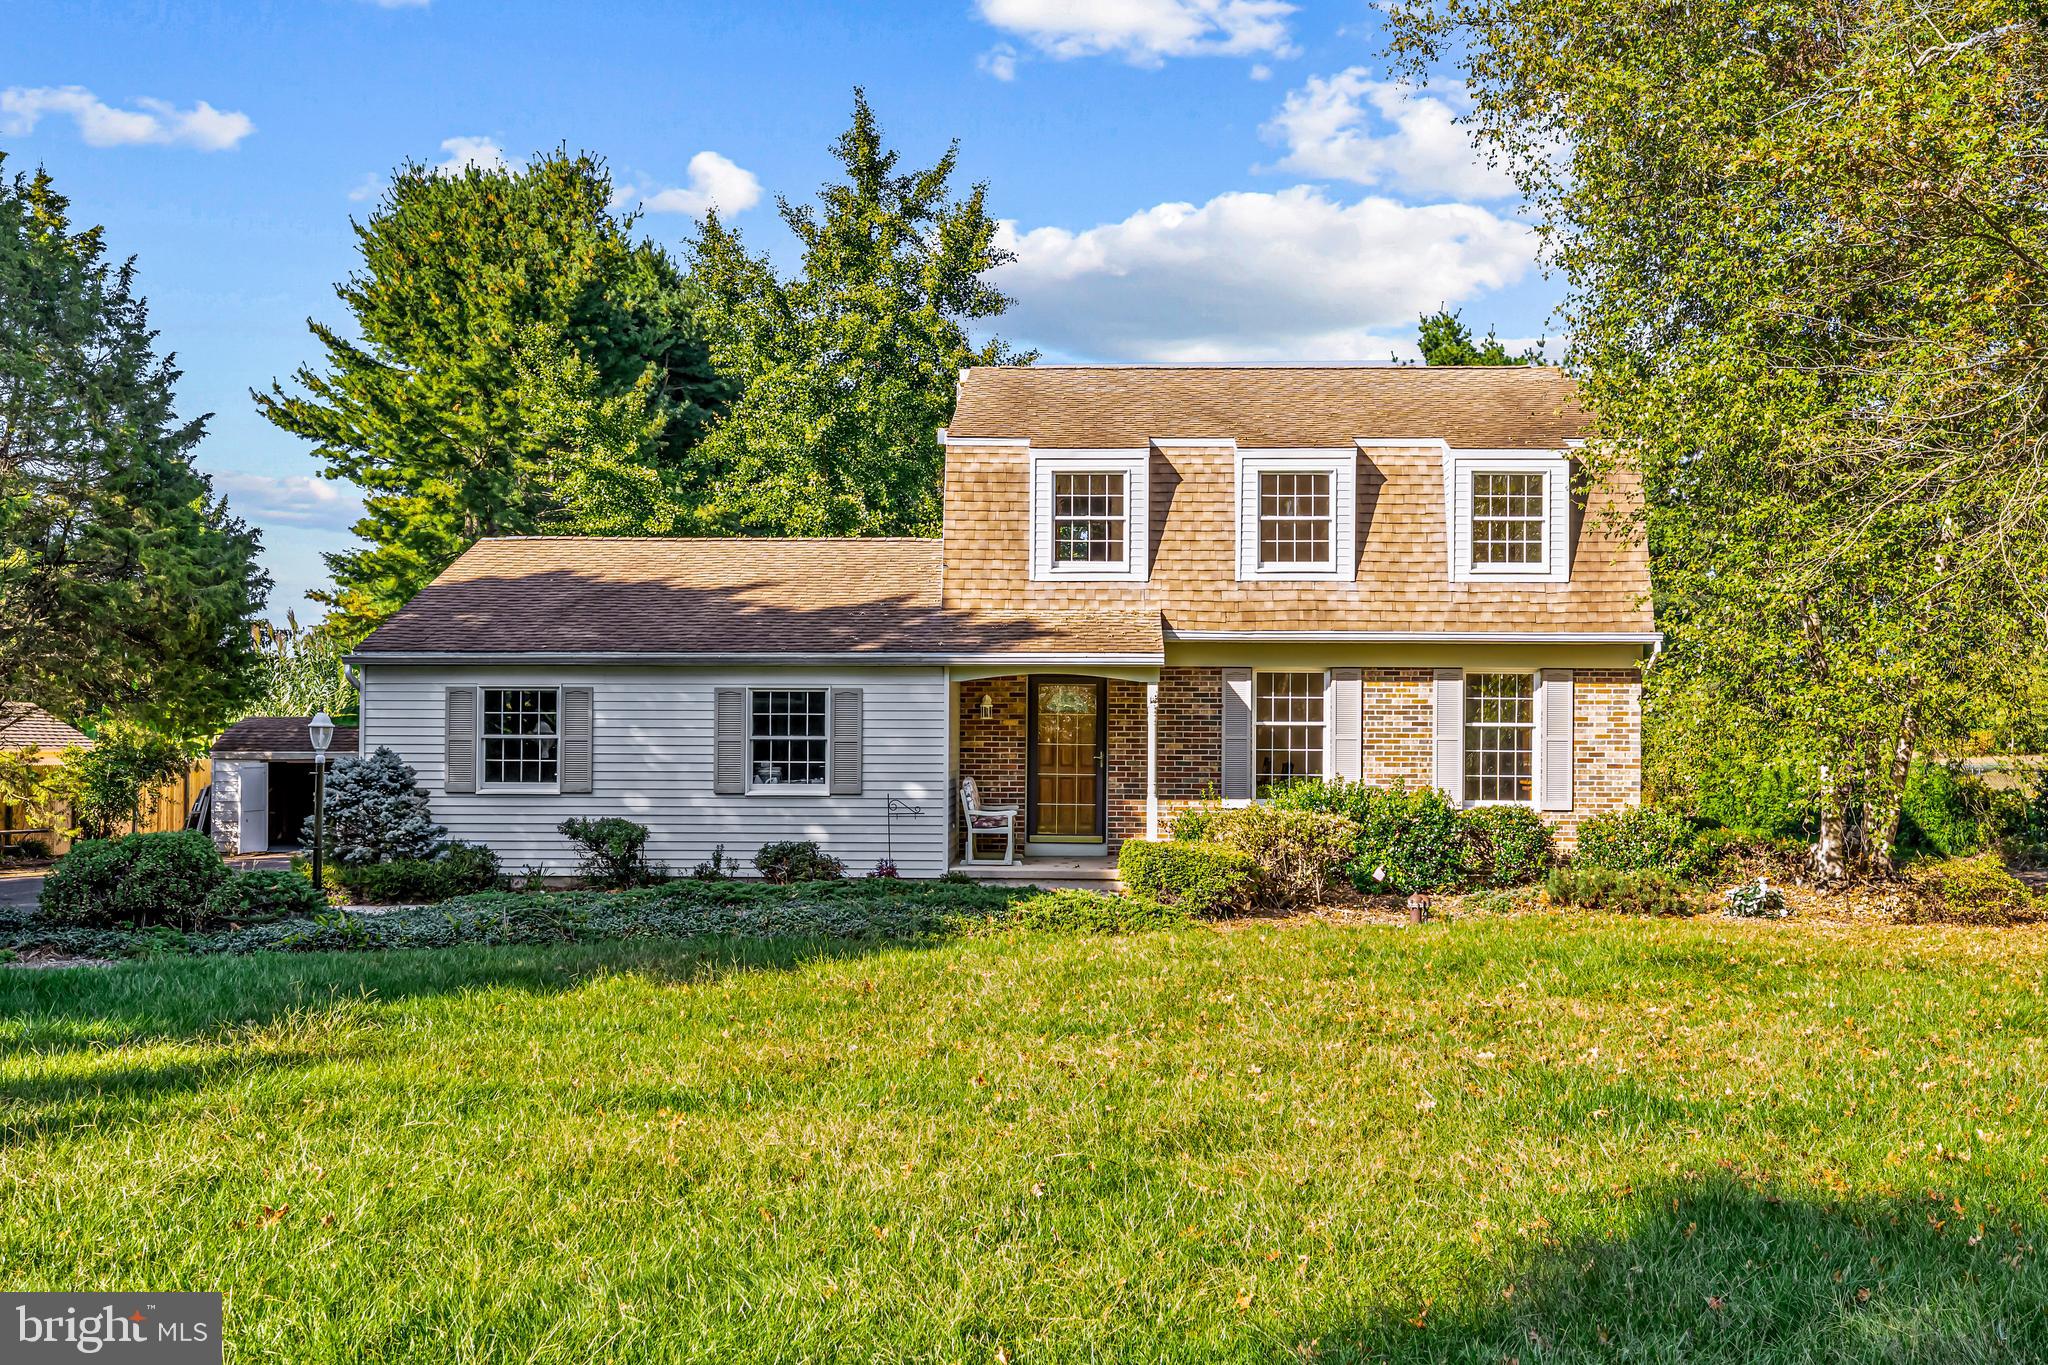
<point>1830,850</point>
<point>1882,808</point>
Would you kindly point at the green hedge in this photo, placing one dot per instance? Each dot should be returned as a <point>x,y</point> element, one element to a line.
<point>136,880</point>
<point>1201,878</point>
<point>1974,890</point>
<point>1095,912</point>
<point>460,870</point>
<point>1296,851</point>
<point>262,894</point>
<point>1645,839</point>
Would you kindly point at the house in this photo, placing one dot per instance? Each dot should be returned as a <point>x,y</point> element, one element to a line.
<point>1154,585</point>
<point>262,790</point>
<point>41,739</point>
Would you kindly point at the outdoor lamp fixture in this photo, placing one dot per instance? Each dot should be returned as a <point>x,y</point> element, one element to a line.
<point>987,709</point>
<point>320,730</point>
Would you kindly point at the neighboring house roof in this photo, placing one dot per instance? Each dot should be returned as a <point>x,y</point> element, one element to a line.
<point>278,737</point>
<point>701,596</point>
<point>23,726</point>
<point>1094,406</point>
<point>1402,585</point>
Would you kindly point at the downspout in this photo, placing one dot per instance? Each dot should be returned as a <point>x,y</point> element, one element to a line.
<point>1152,760</point>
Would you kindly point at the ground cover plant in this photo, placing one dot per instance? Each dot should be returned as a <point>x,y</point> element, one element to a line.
<point>1541,1137</point>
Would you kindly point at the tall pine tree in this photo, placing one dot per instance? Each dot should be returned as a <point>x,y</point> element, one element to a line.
<point>126,589</point>
<point>452,430</point>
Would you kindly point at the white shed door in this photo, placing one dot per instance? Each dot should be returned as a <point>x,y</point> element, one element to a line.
<point>253,835</point>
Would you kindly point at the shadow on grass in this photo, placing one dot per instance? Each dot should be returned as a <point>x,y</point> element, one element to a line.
<point>69,1100</point>
<point>1720,1270</point>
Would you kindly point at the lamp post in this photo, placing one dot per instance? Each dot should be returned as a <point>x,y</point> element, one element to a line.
<point>320,730</point>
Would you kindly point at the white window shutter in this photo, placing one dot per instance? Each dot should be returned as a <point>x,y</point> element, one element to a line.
<point>1237,734</point>
<point>845,764</point>
<point>729,741</point>
<point>1554,712</point>
<point>459,771</point>
<point>575,767</point>
<point>1450,733</point>
<point>1345,707</point>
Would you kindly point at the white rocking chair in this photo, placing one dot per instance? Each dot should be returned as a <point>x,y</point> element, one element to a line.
<point>987,822</point>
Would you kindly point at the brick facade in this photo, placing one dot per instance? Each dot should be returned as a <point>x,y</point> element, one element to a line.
<point>1398,747</point>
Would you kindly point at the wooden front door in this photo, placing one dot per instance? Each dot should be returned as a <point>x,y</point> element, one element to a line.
<point>1069,743</point>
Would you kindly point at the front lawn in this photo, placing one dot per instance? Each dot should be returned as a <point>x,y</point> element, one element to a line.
<point>1536,1138</point>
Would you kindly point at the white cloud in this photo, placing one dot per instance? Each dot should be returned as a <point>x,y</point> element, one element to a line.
<point>369,187</point>
<point>290,499</point>
<point>1352,127</point>
<point>715,182</point>
<point>1247,276</point>
<point>149,123</point>
<point>1145,32</point>
<point>999,61</point>
<point>465,153</point>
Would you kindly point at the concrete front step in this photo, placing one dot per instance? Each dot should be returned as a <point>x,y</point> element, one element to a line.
<point>1095,873</point>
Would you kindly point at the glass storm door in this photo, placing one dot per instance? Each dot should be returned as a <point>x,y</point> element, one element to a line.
<point>1069,719</point>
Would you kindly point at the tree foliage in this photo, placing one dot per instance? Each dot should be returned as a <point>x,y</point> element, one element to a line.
<point>1444,339</point>
<point>126,588</point>
<point>505,315</point>
<point>376,811</point>
<point>845,372</point>
<point>303,670</point>
<point>1807,249</point>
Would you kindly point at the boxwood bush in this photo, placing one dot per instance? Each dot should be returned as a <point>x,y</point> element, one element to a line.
<point>797,860</point>
<point>1408,841</point>
<point>1297,851</point>
<point>1506,845</point>
<point>1645,839</point>
<point>1201,878</point>
<point>135,880</point>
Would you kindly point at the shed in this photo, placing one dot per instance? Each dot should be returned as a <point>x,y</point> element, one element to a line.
<point>263,781</point>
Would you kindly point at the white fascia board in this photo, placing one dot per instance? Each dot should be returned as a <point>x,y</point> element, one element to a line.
<point>848,660</point>
<point>1412,637</point>
<point>970,442</point>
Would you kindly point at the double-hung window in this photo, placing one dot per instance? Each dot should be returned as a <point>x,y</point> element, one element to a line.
<point>787,733</point>
<point>1287,727</point>
<point>521,726</point>
<point>1500,737</point>
<point>1089,521</point>
<point>1508,520</point>
<point>1296,525</point>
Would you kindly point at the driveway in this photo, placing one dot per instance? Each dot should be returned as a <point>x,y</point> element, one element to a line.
<point>22,888</point>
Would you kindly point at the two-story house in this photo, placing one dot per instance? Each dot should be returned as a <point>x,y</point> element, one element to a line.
<point>1155,585</point>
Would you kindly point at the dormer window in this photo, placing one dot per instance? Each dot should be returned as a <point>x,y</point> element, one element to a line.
<point>1508,520</point>
<point>1296,528</point>
<point>1510,515</point>
<point>1297,514</point>
<point>1088,522</point>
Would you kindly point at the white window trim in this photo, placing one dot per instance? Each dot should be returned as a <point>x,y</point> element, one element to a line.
<point>1135,466</point>
<point>1535,677</point>
<point>484,788</point>
<point>1460,468</point>
<point>1342,467</point>
<point>801,790</point>
<point>1258,673</point>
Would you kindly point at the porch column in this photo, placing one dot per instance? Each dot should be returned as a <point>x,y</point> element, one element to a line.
<point>1151,760</point>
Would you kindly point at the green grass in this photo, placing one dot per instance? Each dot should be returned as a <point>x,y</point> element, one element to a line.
<point>1535,1138</point>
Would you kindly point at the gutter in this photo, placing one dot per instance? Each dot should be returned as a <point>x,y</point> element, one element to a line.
<point>839,659</point>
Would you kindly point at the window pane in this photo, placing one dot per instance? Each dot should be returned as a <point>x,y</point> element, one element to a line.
<point>519,730</point>
<point>786,737</point>
<point>1507,519</point>
<point>1287,727</point>
<point>1294,518</point>
<point>1088,522</point>
<point>1500,736</point>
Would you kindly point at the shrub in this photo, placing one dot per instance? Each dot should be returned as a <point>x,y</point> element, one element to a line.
<point>1095,912</point>
<point>31,849</point>
<point>262,894</point>
<point>1200,878</point>
<point>1506,845</point>
<point>461,870</point>
<point>1755,900</point>
<point>614,852</point>
<point>376,811</point>
<point>1191,826</point>
<point>1945,812</point>
<point>1975,890</point>
<point>1408,841</point>
<point>1645,839</point>
<point>137,880</point>
<point>797,860</point>
<point>1623,893</point>
<point>1296,851</point>
<point>715,868</point>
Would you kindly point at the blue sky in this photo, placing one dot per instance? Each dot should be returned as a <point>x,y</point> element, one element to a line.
<point>1183,179</point>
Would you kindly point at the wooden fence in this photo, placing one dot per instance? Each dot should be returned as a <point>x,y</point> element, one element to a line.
<point>161,809</point>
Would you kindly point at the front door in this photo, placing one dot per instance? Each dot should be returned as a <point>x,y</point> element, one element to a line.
<point>1069,741</point>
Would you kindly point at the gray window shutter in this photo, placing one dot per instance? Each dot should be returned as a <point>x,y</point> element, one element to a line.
<point>1347,722</point>
<point>845,762</point>
<point>1554,703</point>
<point>1450,733</point>
<point>729,742</point>
<point>1237,734</point>
<point>459,774</point>
<point>576,740</point>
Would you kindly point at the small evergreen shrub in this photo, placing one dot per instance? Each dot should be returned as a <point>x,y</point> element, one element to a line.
<point>262,894</point>
<point>1645,892</point>
<point>797,860</point>
<point>1644,839</point>
<point>376,812</point>
<point>1191,825</point>
<point>136,880</point>
<point>1200,878</point>
<point>1296,851</point>
<point>1096,912</point>
<point>1974,890</point>
<point>1408,841</point>
<point>1506,845</point>
<point>715,868</point>
<point>461,870</point>
<point>1755,900</point>
<point>614,852</point>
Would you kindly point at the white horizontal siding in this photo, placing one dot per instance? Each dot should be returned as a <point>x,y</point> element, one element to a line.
<point>651,762</point>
